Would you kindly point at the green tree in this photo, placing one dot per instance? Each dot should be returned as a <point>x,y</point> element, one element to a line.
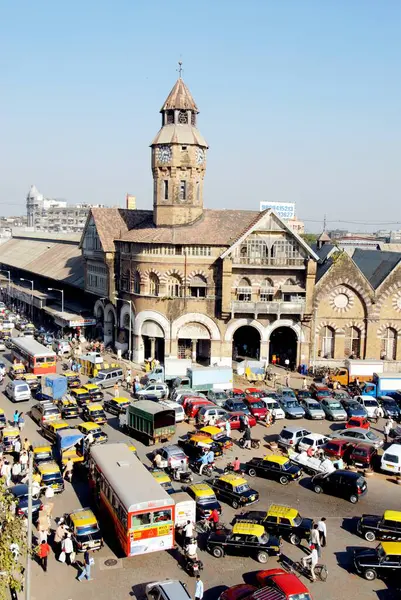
<point>12,544</point>
<point>310,238</point>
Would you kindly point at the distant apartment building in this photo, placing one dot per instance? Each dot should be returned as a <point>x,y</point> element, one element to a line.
<point>55,216</point>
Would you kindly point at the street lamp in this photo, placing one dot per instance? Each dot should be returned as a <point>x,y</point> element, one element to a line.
<point>31,282</point>
<point>62,306</point>
<point>130,323</point>
<point>5,271</point>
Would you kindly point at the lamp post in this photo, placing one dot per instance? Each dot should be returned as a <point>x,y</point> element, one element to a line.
<point>62,306</point>
<point>31,282</point>
<point>5,271</point>
<point>130,323</point>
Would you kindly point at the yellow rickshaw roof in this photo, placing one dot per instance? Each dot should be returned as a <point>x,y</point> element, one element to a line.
<point>18,367</point>
<point>58,424</point>
<point>202,490</point>
<point>10,431</point>
<point>211,429</point>
<point>275,458</point>
<point>91,386</point>
<point>30,376</point>
<point>121,400</point>
<point>1,411</point>
<point>203,439</point>
<point>70,374</point>
<point>392,515</point>
<point>233,479</point>
<point>279,510</point>
<point>48,467</point>
<point>89,426</point>
<point>42,448</point>
<point>391,547</point>
<point>131,447</point>
<point>94,407</point>
<point>161,477</point>
<point>82,517</point>
<point>249,529</point>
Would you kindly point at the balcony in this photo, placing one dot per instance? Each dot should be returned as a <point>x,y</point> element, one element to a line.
<point>269,261</point>
<point>267,308</point>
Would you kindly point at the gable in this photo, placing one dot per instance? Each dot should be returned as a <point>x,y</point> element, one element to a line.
<point>90,241</point>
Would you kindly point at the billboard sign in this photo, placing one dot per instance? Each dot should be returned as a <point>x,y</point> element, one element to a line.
<point>284,210</point>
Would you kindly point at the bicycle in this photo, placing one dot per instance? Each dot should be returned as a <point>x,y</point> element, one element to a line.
<point>297,568</point>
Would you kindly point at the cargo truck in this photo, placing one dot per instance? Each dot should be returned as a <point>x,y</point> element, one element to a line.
<point>206,379</point>
<point>382,384</point>
<point>357,369</point>
<point>148,420</point>
<point>170,370</point>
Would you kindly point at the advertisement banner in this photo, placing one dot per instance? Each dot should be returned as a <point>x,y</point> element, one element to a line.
<point>284,210</point>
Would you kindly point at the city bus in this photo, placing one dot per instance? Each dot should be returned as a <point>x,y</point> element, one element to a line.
<point>36,358</point>
<point>128,496</point>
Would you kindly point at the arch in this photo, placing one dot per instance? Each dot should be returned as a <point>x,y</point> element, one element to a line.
<point>154,284</point>
<point>327,341</point>
<point>170,272</point>
<point>296,327</point>
<point>267,282</point>
<point>353,341</point>
<point>152,315</point>
<point>389,325</point>
<point>245,282</point>
<point>235,323</point>
<point>290,281</point>
<point>175,286</point>
<point>346,284</point>
<point>392,289</point>
<point>98,309</point>
<point>195,273</point>
<point>110,309</point>
<point>246,343</point>
<point>388,343</point>
<point>124,312</point>
<point>195,318</point>
<point>331,324</point>
<point>146,274</point>
<point>136,281</point>
<point>283,345</point>
<point>253,281</point>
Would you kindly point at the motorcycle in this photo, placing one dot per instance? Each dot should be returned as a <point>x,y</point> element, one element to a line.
<point>193,566</point>
<point>230,469</point>
<point>254,443</point>
<point>207,469</point>
<point>179,475</point>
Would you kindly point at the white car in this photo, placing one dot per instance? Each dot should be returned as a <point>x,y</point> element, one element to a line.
<point>160,390</point>
<point>178,409</point>
<point>274,407</point>
<point>369,403</point>
<point>312,440</point>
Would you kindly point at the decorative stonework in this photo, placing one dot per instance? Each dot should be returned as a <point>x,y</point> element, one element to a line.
<point>389,325</point>
<point>358,324</point>
<point>343,285</point>
<point>341,299</point>
<point>194,274</point>
<point>166,275</point>
<point>146,274</point>
<point>331,324</point>
<point>396,301</point>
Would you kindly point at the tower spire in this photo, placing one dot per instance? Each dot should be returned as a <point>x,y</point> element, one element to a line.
<point>180,69</point>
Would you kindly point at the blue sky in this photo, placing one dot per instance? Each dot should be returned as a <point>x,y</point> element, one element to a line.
<point>299,99</point>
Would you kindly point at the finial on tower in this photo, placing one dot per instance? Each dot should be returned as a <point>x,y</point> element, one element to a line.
<point>179,68</point>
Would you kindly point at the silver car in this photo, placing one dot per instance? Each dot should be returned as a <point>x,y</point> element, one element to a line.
<point>333,410</point>
<point>172,456</point>
<point>159,390</point>
<point>359,435</point>
<point>312,409</point>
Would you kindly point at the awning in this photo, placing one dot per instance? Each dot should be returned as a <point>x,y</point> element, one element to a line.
<point>68,318</point>
<point>292,289</point>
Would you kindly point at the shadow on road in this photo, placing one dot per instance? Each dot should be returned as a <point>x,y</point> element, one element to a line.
<point>349,524</point>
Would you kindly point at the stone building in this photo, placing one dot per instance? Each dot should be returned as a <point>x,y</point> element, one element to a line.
<point>185,281</point>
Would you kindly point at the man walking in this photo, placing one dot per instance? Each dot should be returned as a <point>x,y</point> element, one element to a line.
<point>128,379</point>
<point>16,418</point>
<point>59,536</point>
<point>17,449</point>
<point>322,528</point>
<point>227,426</point>
<point>68,470</point>
<point>43,553</point>
<point>387,428</point>
<point>68,549</point>
<point>198,588</point>
<point>315,538</point>
<point>247,438</point>
<point>86,571</point>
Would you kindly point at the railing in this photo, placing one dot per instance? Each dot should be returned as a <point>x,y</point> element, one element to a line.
<point>269,261</point>
<point>267,308</point>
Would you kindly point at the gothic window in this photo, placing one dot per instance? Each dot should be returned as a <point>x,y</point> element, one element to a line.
<point>136,283</point>
<point>389,344</point>
<point>165,189</point>
<point>244,290</point>
<point>174,286</point>
<point>183,190</point>
<point>327,337</point>
<point>125,280</point>
<point>352,345</point>
<point>198,287</point>
<point>285,252</point>
<point>182,117</point>
<point>154,284</point>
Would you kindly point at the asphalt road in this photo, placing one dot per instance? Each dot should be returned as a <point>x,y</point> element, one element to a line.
<point>123,578</point>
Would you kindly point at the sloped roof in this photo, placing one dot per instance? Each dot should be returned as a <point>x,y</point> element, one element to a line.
<point>115,223</point>
<point>324,237</point>
<point>53,259</point>
<point>180,134</point>
<point>179,98</point>
<point>324,251</point>
<point>322,268</point>
<point>375,264</point>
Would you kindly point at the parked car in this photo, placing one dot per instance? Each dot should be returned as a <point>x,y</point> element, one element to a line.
<point>236,420</point>
<point>160,390</point>
<point>256,407</point>
<point>312,408</point>
<point>219,398</point>
<point>245,539</point>
<point>165,590</point>
<point>286,392</point>
<point>390,407</point>
<point>290,436</point>
<point>369,403</point>
<point>333,410</point>
<point>274,407</point>
<point>361,422</point>
<point>179,411</point>
<point>363,455</point>
<point>346,484</point>
<point>236,405</point>
<point>340,395</point>
<point>209,411</point>
<point>291,408</point>
<point>359,435</point>
<point>382,561</point>
<point>281,585</point>
<point>312,441</point>
<point>320,391</point>
<point>21,494</point>
<point>391,459</point>
<point>384,527</point>
<point>353,408</point>
<point>173,456</point>
<point>275,467</point>
<point>303,394</point>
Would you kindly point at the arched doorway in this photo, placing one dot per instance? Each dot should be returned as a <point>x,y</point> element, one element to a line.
<point>153,340</point>
<point>246,343</point>
<point>194,343</point>
<point>283,345</point>
<point>109,326</point>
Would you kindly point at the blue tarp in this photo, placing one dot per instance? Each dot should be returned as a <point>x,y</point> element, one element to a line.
<point>67,438</point>
<point>55,386</point>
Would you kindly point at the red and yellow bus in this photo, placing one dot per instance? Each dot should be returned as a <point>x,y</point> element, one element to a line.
<point>141,511</point>
<point>36,358</point>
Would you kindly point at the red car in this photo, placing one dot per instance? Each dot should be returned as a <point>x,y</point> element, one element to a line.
<point>361,422</point>
<point>256,407</point>
<point>243,591</point>
<point>237,393</point>
<point>338,448</point>
<point>280,585</point>
<point>254,392</point>
<point>235,419</point>
<point>363,455</point>
<point>192,408</point>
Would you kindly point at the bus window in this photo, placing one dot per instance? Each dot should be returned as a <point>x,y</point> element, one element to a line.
<point>159,516</point>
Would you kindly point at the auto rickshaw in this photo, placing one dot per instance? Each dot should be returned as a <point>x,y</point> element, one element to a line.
<point>68,408</point>
<point>3,420</point>
<point>42,453</point>
<point>32,380</point>
<point>50,476</point>
<point>94,391</point>
<point>9,436</point>
<point>17,371</point>
<point>73,381</point>
<point>218,436</point>
<point>99,436</point>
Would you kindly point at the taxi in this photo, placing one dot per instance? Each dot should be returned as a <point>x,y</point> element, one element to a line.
<point>99,436</point>
<point>163,479</point>
<point>85,530</point>
<point>245,539</point>
<point>273,466</point>
<point>52,428</point>
<point>32,380</point>
<point>9,436</point>
<point>3,420</point>
<point>195,445</point>
<point>73,381</point>
<point>94,391</point>
<point>382,561</point>
<point>217,436</point>
<point>16,371</point>
<point>81,395</point>
<point>116,406</point>
<point>205,499</point>
<point>94,413</point>
<point>233,489</point>
<point>68,408</point>
<point>50,476</point>
<point>384,527</point>
<point>42,453</point>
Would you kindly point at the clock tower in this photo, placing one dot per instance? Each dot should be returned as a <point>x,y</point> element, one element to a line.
<point>178,161</point>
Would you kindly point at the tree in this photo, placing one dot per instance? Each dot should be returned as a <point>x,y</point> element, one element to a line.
<point>310,238</point>
<point>12,544</point>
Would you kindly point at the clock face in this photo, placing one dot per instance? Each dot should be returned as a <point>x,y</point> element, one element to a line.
<point>163,154</point>
<point>200,156</point>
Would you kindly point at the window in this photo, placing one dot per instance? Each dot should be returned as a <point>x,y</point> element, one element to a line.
<point>244,290</point>
<point>197,191</point>
<point>170,117</point>
<point>184,148</point>
<point>352,345</point>
<point>389,344</point>
<point>182,117</point>
<point>149,518</point>
<point>286,252</point>
<point>183,190</point>
<point>327,342</point>
<point>174,286</point>
<point>198,287</point>
<point>267,290</point>
<point>136,283</point>
<point>154,284</point>
<point>165,189</point>
<point>125,280</point>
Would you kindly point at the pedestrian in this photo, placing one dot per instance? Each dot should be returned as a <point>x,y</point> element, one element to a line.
<point>68,469</point>
<point>128,379</point>
<point>68,549</point>
<point>315,538</point>
<point>387,428</point>
<point>21,421</point>
<point>321,525</point>
<point>16,418</point>
<point>86,571</point>
<point>247,438</point>
<point>357,382</point>
<point>287,380</point>
<point>43,553</point>
<point>377,413</point>
<point>312,558</point>
<point>59,536</point>
<point>227,427</point>
<point>26,445</point>
<point>245,420</point>
<point>16,472</point>
<point>188,531</point>
<point>305,384</point>
<point>17,449</point>
<point>6,472</point>
<point>116,391</point>
<point>214,518</point>
<point>236,464</point>
<point>198,588</point>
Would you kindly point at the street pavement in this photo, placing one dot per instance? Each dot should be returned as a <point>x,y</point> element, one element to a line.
<point>122,578</point>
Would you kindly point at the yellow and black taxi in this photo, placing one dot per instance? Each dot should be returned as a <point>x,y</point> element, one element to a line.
<point>95,413</point>
<point>17,371</point>
<point>85,530</point>
<point>68,408</point>
<point>93,429</point>
<point>82,396</point>
<point>195,445</point>
<point>233,489</point>
<point>3,419</point>
<point>245,539</point>
<point>50,476</point>
<point>51,429</point>
<point>218,436</point>
<point>94,391</point>
<point>32,380</point>
<point>385,527</point>
<point>73,381</point>
<point>384,561</point>
<point>42,453</point>
<point>273,466</point>
<point>279,520</point>
<point>116,406</point>
<point>163,479</point>
<point>205,499</point>
<point>9,436</point>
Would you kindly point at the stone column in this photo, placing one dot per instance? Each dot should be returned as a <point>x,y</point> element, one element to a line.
<point>339,345</point>
<point>372,344</point>
<point>193,342</point>
<point>264,351</point>
<point>152,347</point>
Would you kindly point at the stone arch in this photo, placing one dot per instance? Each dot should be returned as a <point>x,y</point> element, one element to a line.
<point>331,324</point>
<point>296,327</point>
<point>195,273</point>
<point>98,309</point>
<point>252,280</point>
<point>389,325</point>
<point>148,272</point>
<point>196,318</point>
<point>125,310</point>
<point>176,272</point>
<point>152,315</point>
<point>234,324</point>
<point>110,309</point>
<point>358,324</point>
<point>392,289</point>
<point>343,283</point>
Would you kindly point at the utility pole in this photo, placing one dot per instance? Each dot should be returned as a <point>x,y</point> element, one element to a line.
<point>29,533</point>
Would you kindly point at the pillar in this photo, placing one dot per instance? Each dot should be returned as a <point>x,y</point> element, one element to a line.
<point>193,342</point>
<point>152,346</point>
<point>264,351</point>
<point>372,344</point>
<point>339,345</point>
